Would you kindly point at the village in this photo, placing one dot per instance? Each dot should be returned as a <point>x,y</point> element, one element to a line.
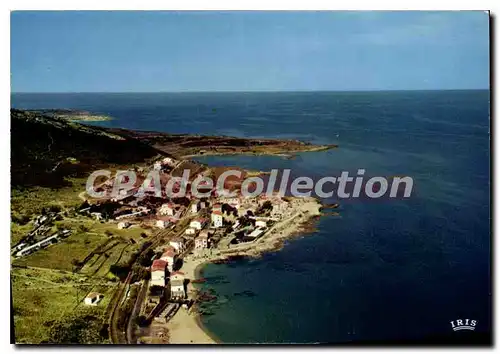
<point>186,232</point>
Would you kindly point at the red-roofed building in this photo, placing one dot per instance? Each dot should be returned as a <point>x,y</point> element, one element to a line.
<point>158,272</point>
<point>158,264</point>
<point>169,255</point>
<point>217,207</point>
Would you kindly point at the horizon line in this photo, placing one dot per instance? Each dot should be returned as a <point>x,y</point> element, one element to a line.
<point>251,91</point>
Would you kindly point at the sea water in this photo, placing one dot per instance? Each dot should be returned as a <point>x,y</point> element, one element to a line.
<point>380,270</point>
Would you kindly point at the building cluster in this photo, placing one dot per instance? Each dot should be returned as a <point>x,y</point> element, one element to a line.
<point>24,249</point>
<point>40,236</point>
<point>219,211</point>
<point>163,273</point>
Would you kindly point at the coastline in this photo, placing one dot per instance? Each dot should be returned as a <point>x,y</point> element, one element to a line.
<point>73,115</point>
<point>289,154</point>
<point>186,326</point>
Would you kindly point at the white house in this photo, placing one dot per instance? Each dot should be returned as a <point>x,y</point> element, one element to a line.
<point>158,272</point>
<point>162,223</point>
<point>177,289</point>
<point>256,233</point>
<point>97,215</point>
<point>261,223</point>
<point>178,244</point>
<point>170,257</point>
<point>169,161</point>
<point>157,165</point>
<point>123,225</point>
<point>198,223</point>
<point>217,219</point>
<point>93,298</point>
<point>167,209</point>
<point>201,241</point>
<point>190,231</point>
<point>195,207</point>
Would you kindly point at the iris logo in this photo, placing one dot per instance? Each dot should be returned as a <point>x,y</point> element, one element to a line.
<point>459,325</point>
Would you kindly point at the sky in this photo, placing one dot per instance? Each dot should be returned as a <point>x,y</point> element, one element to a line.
<point>78,51</point>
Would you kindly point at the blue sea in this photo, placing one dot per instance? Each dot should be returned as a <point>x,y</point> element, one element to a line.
<point>381,270</point>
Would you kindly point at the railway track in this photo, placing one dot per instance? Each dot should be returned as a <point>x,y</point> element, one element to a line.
<point>116,335</point>
<point>137,308</point>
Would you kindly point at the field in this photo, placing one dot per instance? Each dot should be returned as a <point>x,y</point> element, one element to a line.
<point>48,286</point>
<point>43,298</point>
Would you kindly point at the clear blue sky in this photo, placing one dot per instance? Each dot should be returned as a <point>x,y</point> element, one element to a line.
<point>248,51</point>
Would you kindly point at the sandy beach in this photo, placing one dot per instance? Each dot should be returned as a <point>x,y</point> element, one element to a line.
<point>184,327</point>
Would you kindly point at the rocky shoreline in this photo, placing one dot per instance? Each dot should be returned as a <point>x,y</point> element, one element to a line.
<point>73,115</point>
<point>182,327</point>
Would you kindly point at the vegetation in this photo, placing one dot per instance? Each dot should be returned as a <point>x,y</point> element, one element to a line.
<point>125,311</point>
<point>51,159</point>
<point>47,150</point>
<point>44,298</point>
<point>78,328</point>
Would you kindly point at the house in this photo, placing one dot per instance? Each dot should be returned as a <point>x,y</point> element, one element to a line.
<point>177,291</point>
<point>195,207</point>
<point>157,166</point>
<point>162,224</point>
<point>158,272</point>
<point>261,223</point>
<point>170,256</point>
<point>123,225</point>
<point>167,209</point>
<point>93,298</point>
<point>190,231</point>
<point>178,244</point>
<point>169,161</point>
<point>201,242</point>
<point>256,233</point>
<point>198,223</point>
<point>217,219</point>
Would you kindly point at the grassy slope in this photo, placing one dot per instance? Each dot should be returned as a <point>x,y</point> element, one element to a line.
<point>50,161</point>
<point>45,151</point>
<point>43,297</point>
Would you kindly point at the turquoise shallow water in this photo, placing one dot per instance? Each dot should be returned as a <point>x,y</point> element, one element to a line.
<point>382,270</point>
